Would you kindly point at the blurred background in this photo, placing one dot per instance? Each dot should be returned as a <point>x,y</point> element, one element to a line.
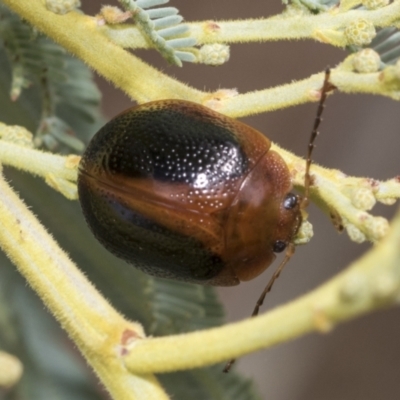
<point>360,136</point>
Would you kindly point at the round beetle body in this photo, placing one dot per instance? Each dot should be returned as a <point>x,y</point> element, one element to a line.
<point>183,192</point>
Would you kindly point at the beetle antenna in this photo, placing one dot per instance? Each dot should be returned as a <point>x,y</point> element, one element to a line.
<point>288,255</point>
<point>326,88</point>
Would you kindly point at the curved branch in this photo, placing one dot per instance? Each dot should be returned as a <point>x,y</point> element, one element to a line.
<point>370,283</point>
<point>39,162</point>
<point>348,197</point>
<point>99,331</point>
<point>385,83</point>
<point>275,28</point>
<point>283,27</point>
<point>81,36</point>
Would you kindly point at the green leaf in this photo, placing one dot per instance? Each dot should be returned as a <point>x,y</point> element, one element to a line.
<point>60,86</point>
<point>315,6</point>
<point>162,26</point>
<point>52,367</point>
<point>387,44</point>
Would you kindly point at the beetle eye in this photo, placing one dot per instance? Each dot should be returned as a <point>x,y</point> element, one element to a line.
<point>279,246</point>
<point>290,201</point>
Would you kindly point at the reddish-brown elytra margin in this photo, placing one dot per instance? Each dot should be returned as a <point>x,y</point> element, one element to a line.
<point>304,200</point>
<point>183,192</point>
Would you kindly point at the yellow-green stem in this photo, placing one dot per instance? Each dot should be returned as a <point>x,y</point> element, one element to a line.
<point>39,162</point>
<point>290,27</point>
<point>278,27</point>
<point>80,35</point>
<point>99,331</point>
<point>370,283</point>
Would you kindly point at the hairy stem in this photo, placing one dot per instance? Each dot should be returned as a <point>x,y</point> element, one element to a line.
<point>81,36</point>
<point>278,27</point>
<point>38,162</point>
<point>99,331</point>
<point>370,283</point>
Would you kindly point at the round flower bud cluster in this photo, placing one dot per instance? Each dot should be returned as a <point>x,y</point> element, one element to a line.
<point>214,54</point>
<point>366,60</point>
<point>11,370</point>
<point>355,234</point>
<point>360,32</point>
<point>17,135</point>
<point>304,234</point>
<point>363,199</point>
<point>374,4</point>
<point>377,227</point>
<point>62,6</point>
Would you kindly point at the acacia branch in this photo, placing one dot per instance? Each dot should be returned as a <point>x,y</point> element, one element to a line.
<point>279,27</point>
<point>99,331</point>
<point>349,197</point>
<point>368,284</point>
<point>81,35</point>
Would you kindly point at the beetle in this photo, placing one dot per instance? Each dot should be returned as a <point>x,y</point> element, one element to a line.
<point>183,192</point>
<point>186,193</point>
